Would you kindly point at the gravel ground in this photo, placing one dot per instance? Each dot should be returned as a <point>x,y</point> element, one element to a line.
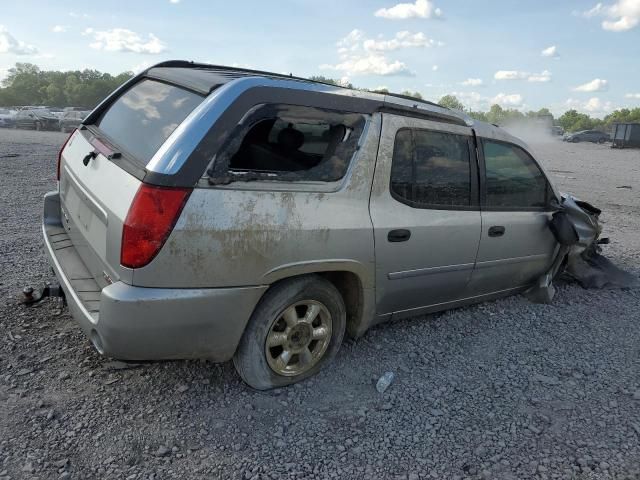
<point>505,390</point>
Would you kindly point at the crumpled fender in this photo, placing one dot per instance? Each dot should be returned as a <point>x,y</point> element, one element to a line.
<point>577,229</point>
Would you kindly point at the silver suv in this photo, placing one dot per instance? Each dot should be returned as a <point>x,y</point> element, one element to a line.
<point>219,213</point>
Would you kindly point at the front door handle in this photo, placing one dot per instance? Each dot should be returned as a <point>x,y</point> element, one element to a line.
<point>496,231</point>
<point>400,235</point>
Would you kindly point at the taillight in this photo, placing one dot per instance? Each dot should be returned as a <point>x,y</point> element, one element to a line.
<point>151,217</point>
<point>60,154</point>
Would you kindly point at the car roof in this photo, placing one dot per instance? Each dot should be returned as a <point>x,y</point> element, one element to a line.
<point>205,78</point>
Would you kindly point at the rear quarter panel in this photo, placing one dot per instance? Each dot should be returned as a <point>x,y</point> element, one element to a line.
<point>259,232</point>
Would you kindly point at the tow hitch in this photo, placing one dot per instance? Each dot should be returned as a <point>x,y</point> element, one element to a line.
<point>31,296</point>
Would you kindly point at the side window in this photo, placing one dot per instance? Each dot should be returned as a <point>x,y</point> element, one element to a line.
<point>289,143</point>
<point>431,169</point>
<point>512,177</point>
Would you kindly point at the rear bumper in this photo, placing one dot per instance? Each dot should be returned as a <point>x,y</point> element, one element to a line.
<point>137,323</point>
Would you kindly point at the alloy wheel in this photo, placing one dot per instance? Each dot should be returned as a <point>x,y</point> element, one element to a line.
<point>298,338</point>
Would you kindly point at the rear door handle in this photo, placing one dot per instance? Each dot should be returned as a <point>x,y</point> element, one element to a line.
<point>496,231</point>
<point>400,235</point>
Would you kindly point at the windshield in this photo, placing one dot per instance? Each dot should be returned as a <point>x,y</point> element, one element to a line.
<point>143,117</point>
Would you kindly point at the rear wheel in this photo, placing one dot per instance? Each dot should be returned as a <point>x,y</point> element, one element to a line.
<point>296,329</point>
<point>38,126</point>
<point>601,140</point>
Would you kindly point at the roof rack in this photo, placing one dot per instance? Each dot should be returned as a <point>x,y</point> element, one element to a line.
<point>208,66</point>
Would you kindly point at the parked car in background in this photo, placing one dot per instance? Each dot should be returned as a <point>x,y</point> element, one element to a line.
<point>56,111</point>
<point>76,109</point>
<point>7,118</point>
<point>263,221</point>
<point>72,119</point>
<point>594,136</point>
<point>36,119</point>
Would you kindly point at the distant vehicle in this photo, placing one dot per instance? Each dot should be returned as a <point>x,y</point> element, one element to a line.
<point>556,130</point>
<point>36,119</point>
<point>32,107</point>
<point>594,136</point>
<point>7,118</point>
<point>56,111</point>
<point>76,109</point>
<point>72,120</point>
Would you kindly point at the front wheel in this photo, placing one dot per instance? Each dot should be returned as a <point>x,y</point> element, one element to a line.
<point>601,140</point>
<point>296,329</point>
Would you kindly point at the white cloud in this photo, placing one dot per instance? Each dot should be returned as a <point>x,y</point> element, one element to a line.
<point>402,11</point>
<point>477,101</point>
<point>360,56</point>
<point>435,68</point>
<point>370,64</point>
<point>551,51</point>
<point>8,44</point>
<point>123,40</point>
<point>593,106</point>
<point>595,85</point>
<point>509,75</point>
<point>596,10</point>
<point>620,16</point>
<point>633,95</point>
<point>472,82</point>
<point>512,100</point>
<point>174,1</point>
<point>59,28</point>
<point>140,66</point>
<point>544,76</point>
<point>402,39</point>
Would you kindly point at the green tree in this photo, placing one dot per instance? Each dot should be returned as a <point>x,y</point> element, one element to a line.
<point>26,84</point>
<point>452,102</point>
<point>331,81</point>
<point>412,94</point>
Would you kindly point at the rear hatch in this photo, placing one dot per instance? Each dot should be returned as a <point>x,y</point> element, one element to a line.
<point>103,164</point>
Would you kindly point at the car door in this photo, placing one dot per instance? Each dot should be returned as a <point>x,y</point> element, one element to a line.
<point>516,245</point>
<point>425,214</point>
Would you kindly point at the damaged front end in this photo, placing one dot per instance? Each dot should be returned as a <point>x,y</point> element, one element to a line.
<point>576,227</point>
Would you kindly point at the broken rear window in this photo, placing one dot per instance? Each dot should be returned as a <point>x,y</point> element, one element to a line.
<point>143,117</point>
<point>289,143</point>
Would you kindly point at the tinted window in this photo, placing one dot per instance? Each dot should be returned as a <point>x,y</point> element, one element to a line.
<point>143,117</point>
<point>292,143</point>
<point>431,169</point>
<point>512,177</point>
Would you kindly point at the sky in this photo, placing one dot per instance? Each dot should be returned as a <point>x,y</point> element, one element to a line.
<point>526,55</point>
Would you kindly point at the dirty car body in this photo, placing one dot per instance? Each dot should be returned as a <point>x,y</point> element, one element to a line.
<point>203,208</point>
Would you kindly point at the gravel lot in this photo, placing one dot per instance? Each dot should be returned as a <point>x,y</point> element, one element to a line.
<point>505,390</point>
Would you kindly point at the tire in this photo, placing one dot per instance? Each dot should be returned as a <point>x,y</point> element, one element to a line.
<point>601,141</point>
<point>38,126</point>
<point>576,140</point>
<point>258,364</point>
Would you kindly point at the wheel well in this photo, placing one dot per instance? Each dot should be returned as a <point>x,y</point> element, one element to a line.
<point>350,287</point>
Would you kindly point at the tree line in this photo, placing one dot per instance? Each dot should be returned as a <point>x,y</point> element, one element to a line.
<point>27,84</point>
<point>571,120</point>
